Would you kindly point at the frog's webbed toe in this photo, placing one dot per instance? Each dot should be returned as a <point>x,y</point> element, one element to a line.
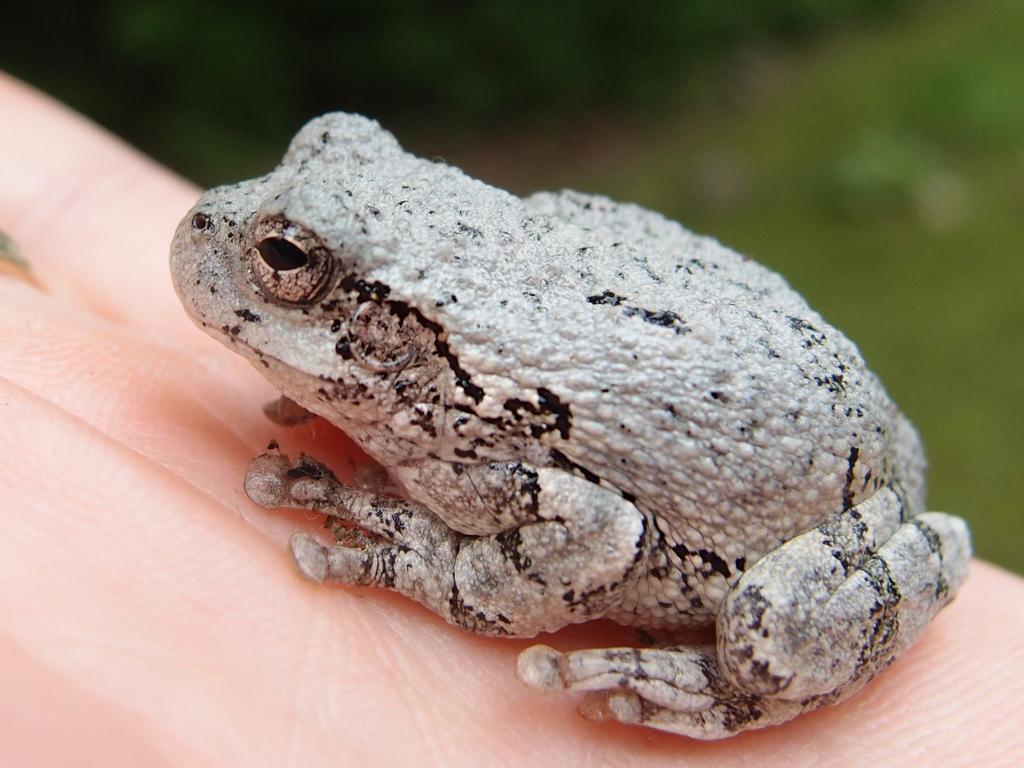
<point>273,481</point>
<point>678,689</point>
<point>539,575</point>
<point>376,564</point>
<point>398,544</point>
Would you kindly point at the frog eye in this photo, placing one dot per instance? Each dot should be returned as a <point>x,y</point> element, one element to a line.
<point>282,255</point>
<point>288,265</point>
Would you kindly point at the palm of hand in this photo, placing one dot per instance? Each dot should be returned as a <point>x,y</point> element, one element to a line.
<point>151,611</point>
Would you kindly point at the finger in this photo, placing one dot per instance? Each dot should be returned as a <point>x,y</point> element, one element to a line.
<point>90,728</point>
<point>195,415</point>
<point>132,589</point>
<point>92,215</point>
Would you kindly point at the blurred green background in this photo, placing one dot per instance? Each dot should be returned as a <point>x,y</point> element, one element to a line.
<point>870,150</point>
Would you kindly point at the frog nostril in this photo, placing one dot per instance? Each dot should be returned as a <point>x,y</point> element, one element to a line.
<point>282,255</point>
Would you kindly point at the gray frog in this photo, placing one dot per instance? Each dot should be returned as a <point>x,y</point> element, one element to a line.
<point>590,412</point>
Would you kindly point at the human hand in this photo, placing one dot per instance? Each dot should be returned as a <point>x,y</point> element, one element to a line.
<point>149,613</point>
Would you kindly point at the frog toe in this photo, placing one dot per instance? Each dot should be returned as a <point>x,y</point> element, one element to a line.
<point>678,689</point>
<point>266,480</point>
<point>310,557</point>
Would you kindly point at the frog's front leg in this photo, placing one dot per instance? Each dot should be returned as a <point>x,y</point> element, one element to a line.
<point>807,625</point>
<point>572,548</point>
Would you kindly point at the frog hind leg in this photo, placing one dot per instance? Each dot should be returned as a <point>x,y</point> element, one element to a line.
<point>539,574</point>
<point>808,624</point>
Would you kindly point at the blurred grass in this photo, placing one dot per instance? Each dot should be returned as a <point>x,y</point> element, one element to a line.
<point>882,172</point>
<point>210,88</point>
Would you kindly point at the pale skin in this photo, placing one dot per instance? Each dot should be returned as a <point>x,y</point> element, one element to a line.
<point>150,612</point>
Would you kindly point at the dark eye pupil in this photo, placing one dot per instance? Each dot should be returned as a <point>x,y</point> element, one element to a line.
<point>281,254</point>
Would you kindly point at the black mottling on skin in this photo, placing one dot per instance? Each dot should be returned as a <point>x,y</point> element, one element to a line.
<point>884,631</point>
<point>836,534</point>
<point>930,535</point>
<point>584,599</point>
<point>690,265</point>
<point>752,603</point>
<point>563,461</point>
<point>606,297</point>
<point>681,551</point>
<point>306,469</point>
<point>467,617</point>
<point>851,462</point>
<point>713,559</point>
<point>737,710</point>
<point>510,543</point>
<point>388,558</point>
<point>800,325</point>
<point>774,684</point>
<point>248,315</point>
<point>935,547</point>
<point>456,607</point>
<point>663,318</point>
<point>466,229</point>
<point>548,403</point>
<point>399,309</point>
<point>529,486</point>
<point>640,547</point>
<point>399,387</point>
<point>364,290</point>
<point>378,292</point>
<point>834,382</point>
<point>425,421</point>
<point>462,378</point>
<point>742,652</point>
<point>551,403</point>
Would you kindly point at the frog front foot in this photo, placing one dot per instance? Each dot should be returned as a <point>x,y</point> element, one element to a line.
<point>809,624</point>
<point>526,579</point>
<point>397,545</point>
